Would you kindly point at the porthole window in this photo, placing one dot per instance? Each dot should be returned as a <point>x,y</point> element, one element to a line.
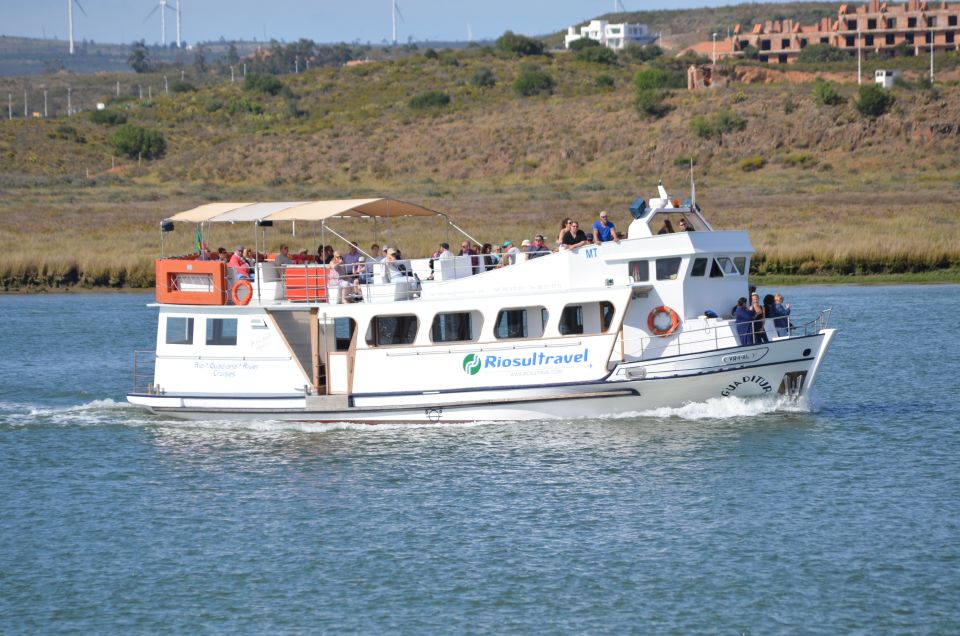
<point>179,331</point>
<point>452,327</point>
<point>392,330</point>
<point>221,331</point>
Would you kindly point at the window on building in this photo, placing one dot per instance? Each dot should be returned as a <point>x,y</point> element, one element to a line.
<point>785,43</point>
<point>851,25</point>
<point>782,58</point>
<point>179,331</point>
<point>222,331</point>
<point>868,40</point>
<point>668,268</point>
<point>950,38</point>
<point>764,45</point>
<point>639,271</point>
<point>699,267</point>
<point>889,39</point>
<point>909,38</point>
<point>952,20</point>
<point>889,24</point>
<point>803,43</point>
<point>911,23</point>
<point>744,44</point>
<point>851,41</point>
<point>571,320</point>
<point>452,327</point>
<point>871,24</point>
<point>931,21</point>
<point>825,40</point>
<point>392,330</point>
<point>927,38</point>
<point>520,323</point>
<point>343,330</point>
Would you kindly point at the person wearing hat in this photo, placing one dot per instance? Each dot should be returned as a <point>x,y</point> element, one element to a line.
<point>538,247</point>
<point>603,230</point>
<point>510,252</point>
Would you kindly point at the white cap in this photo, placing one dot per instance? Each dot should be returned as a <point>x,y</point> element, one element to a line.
<point>525,243</point>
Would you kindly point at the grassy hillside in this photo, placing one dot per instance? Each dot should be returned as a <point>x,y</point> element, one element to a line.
<point>834,192</point>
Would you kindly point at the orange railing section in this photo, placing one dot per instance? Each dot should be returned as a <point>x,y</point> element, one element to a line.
<point>306,282</point>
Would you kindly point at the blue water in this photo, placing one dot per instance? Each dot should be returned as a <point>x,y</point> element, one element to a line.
<point>727,517</point>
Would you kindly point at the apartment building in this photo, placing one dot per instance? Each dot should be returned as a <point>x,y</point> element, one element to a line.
<point>614,36</point>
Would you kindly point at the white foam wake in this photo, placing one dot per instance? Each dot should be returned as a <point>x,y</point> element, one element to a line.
<point>725,408</point>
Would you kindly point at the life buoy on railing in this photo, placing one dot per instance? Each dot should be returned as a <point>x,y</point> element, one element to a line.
<point>652,321</point>
<point>234,293</point>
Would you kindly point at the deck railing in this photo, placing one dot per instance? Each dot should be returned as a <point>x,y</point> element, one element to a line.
<point>144,372</point>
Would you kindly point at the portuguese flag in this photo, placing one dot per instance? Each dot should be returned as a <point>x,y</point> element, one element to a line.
<point>199,240</point>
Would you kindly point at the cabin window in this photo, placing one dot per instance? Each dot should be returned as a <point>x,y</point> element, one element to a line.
<point>715,271</point>
<point>741,264</point>
<point>729,269</point>
<point>639,271</point>
<point>222,331</point>
<point>180,331</point>
<point>606,315</point>
<point>571,320</point>
<point>343,330</point>
<point>453,327</point>
<point>520,323</point>
<point>668,268</point>
<point>392,330</point>
<point>699,267</point>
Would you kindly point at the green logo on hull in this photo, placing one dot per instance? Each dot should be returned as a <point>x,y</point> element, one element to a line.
<point>471,364</point>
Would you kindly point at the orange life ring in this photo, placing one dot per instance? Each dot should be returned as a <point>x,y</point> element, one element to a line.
<point>651,321</point>
<point>235,297</point>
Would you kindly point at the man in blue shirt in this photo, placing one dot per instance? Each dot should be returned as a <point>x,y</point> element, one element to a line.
<point>603,230</point>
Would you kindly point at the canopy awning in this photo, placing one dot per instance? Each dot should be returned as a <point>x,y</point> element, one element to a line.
<point>301,211</point>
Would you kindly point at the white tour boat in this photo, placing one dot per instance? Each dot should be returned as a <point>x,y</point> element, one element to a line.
<point>621,327</point>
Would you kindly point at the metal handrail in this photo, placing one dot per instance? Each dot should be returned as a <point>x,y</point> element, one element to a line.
<point>148,360</point>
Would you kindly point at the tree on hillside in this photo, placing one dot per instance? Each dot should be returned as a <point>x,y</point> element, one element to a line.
<point>826,93</point>
<point>638,53</point>
<point>139,58</point>
<point>136,141</point>
<point>597,55</point>
<point>724,121</point>
<point>533,81</point>
<point>820,53</point>
<point>583,43</point>
<point>200,59</point>
<point>518,45</point>
<point>873,101</point>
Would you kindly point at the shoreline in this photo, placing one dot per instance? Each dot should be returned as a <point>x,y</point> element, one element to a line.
<point>935,277</point>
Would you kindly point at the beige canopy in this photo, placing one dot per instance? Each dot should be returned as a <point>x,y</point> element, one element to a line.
<point>301,211</point>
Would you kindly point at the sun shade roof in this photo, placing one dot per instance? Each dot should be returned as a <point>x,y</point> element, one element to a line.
<point>300,211</point>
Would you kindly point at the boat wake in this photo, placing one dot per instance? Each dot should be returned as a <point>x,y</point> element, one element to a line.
<point>727,408</point>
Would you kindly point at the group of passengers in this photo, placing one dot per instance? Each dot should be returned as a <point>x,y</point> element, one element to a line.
<point>751,317</point>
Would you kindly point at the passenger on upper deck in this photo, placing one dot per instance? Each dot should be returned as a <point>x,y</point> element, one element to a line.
<point>574,237</point>
<point>372,265</point>
<point>744,316</point>
<point>283,258</point>
<point>563,230</point>
<point>604,230</point>
<point>352,255</point>
<point>509,255</point>
<point>538,247</point>
<point>489,260</point>
<point>238,263</point>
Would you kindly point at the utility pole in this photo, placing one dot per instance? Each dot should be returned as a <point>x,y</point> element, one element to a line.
<point>140,86</point>
<point>859,62</point>
<point>931,55</point>
<point>25,103</point>
<point>231,75</point>
<point>150,92</point>
<point>296,65</point>
<point>166,86</point>
<point>118,88</point>
<point>45,104</point>
<point>714,49</point>
<point>69,101</point>
<point>244,69</point>
<point>9,105</point>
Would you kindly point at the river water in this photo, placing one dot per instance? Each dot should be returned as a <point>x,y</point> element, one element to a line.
<point>838,515</point>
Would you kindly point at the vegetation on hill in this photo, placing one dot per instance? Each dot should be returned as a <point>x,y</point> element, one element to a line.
<point>822,188</point>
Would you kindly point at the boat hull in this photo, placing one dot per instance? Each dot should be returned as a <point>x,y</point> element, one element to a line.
<point>783,367</point>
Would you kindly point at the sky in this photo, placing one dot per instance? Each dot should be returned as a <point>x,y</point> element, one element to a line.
<point>122,21</point>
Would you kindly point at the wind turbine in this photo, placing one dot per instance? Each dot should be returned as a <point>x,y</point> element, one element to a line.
<point>70,18</point>
<point>618,6</point>
<point>178,24</point>
<point>395,12</point>
<point>162,6</point>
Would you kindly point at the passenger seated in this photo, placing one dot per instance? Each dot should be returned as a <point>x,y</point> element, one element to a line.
<point>239,264</point>
<point>283,258</point>
<point>347,290</point>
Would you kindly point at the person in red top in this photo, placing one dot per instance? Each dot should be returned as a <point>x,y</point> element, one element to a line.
<point>239,263</point>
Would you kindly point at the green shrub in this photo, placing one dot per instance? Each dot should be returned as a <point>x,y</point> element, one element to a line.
<point>212,104</point>
<point>134,141</point>
<point>432,99</point>
<point>262,83</point>
<point>430,54</point>
<point>800,159</point>
<point>518,45</point>
<point>597,55</point>
<point>107,117</point>
<point>724,121</point>
<point>650,103</point>
<point>533,81</point>
<point>820,53</point>
<point>180,86</point>
<point>68,132</point>
<point>583,43</point>
<point>604,81</point>
<point>237,105</point>
<point>483,77</point>
<point>751,52</point>
<point>873,101</point>
<point>826,93</point>
<point>685,161</point>
<point>752,164</point>
<point>650,78</point>
<point>637,53</point>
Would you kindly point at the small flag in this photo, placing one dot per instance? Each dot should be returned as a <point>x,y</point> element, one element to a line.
<point>199,240</point>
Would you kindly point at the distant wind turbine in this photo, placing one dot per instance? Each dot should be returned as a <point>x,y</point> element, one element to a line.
<point>395,12</point>
<point>163,6</point>
<point>70,18</point>
<point>469,33</point>
<point>618,6</point>
<point>178,24</point>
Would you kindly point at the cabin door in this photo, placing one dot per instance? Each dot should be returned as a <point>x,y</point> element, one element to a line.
<point>341,339</point>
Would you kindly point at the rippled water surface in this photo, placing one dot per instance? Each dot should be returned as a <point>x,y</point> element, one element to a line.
<point>835,516</point>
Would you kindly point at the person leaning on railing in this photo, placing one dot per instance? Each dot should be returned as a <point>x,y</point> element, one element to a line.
<point>745,316</point>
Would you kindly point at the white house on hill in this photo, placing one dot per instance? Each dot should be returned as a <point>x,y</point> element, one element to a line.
<point>614,36</point>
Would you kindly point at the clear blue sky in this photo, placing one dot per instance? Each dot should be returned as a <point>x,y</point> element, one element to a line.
<point>319,20</point>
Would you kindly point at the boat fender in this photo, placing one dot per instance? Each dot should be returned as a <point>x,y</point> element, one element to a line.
<point>235,292</point>
<point>652,317</point>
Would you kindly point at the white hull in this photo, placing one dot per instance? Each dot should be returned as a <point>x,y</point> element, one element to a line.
<point>671,382</point>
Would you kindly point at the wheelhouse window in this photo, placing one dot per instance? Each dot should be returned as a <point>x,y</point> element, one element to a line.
<point>452,327</point>
<point>522,322</point>
<point>729,269</point>
<point>222,331</point>
<point>740,262</point>
<point>639,271</point>
<point>586,318</point>
<point>343,330</point>
<point>668,268</point>
<point>392,330</point>
<point>699,267</point>
<point>571,320</point>
<point>179,331</point>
